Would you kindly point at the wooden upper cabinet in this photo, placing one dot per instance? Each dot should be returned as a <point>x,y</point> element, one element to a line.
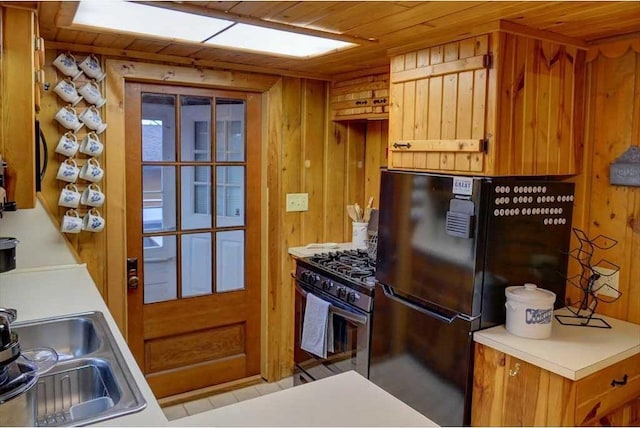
<point>364,97</point>
<point>17,131</point>
<point>496,104</point>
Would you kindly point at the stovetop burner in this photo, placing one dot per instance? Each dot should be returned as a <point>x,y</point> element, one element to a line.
<point>352,263</point>
<point>348,275</point>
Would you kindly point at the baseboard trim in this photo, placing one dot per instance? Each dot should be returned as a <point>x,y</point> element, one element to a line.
<point>210,390</point>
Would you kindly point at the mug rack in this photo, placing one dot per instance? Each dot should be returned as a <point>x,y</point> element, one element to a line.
<point>593,280</point>
<point>80,90</point>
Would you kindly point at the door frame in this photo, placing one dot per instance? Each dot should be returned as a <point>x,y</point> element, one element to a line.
<point>115,179</point>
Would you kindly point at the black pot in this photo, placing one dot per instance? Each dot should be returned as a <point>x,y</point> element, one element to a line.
<point>8,254</point>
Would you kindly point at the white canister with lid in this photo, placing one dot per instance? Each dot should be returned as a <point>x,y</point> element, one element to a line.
<point>529,311</point>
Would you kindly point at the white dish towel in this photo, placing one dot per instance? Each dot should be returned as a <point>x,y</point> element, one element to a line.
<point>317,327</point>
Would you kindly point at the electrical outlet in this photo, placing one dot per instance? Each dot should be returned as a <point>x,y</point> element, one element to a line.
<point>297,202</point>
<point>611,281</point>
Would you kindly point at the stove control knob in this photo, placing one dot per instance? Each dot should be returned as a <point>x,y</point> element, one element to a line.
<point>305,276</point>
<point>342,292</point>
<point>315,278</point>
<point>327,285</point>
<point>352,297</point>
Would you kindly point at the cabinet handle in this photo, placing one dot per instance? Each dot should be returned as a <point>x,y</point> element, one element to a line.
<point>362,103</point>
<point>620,382</point>
<point>401,145</point>
<point>514,372</point>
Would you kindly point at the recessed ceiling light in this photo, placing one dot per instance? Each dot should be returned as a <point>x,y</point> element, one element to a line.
<point>279,42</point>
<point>147,20</point>
<point>143,19</point>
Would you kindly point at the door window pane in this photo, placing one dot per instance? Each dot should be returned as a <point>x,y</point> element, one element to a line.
<point>158,127</point>
<point>196,197</point>
<point>196,264</point>
<point>160,273</point>
<point>158,198</point>
<point>229,260</point>
<point>230,126</point>
<point>195,126</point>
<point>230,204</point>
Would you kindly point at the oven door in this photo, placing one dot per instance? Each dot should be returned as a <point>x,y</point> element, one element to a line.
<point>351,330</point>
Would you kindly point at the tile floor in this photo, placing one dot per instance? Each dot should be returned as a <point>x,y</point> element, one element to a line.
<point>215,401</point>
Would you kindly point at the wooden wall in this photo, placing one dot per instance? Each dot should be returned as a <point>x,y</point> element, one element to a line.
<point>336,163</point>
<point>305,152</point>
<point>612,125</point>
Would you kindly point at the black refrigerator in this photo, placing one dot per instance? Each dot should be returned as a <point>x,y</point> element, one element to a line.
<point>447,248</point>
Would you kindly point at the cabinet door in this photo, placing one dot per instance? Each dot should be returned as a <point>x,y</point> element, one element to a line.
<point>438,106</point>
<point>604,391</point>
<point>510,392</point>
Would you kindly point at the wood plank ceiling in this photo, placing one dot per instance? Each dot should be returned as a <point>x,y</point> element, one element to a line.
<point>394,26</point>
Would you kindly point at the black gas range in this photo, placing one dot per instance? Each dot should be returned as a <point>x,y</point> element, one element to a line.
<point>348,275</point>
<point>346,281</point>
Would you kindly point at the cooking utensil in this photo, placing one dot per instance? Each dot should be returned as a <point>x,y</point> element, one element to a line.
<point>351,210</point>
<point>358,213</point>
<point>367,214</point>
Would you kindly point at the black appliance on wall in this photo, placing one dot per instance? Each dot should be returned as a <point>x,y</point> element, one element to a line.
<point>42,155</point>
<point>447,248</point>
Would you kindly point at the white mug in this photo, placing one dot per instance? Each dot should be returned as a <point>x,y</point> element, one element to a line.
<point>71,222</point>
<point>66,90</point>
<point>91,171</point>
<point>68,118</point>
<point>68,144</point>
<point>91,93</point>
<point>91,145</point>
<point>91,118</point>
<point>69,196</point>
<point>66,63</point>
<point>93,221</point>
<point>92,196</point>
<point>68,171</point>
<point>91,67</point>
<point>359,237</point>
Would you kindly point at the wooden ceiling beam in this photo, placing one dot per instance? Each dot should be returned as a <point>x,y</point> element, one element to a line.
<point>180,60</point>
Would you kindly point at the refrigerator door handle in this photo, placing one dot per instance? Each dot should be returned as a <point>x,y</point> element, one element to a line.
<point>388,291</point>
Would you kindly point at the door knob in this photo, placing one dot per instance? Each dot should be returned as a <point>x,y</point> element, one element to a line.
<point>132,282</point>
<point>132,273</point>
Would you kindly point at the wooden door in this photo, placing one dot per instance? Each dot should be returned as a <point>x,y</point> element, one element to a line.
<point>193,225</point>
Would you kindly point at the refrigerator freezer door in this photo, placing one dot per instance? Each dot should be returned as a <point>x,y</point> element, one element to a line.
<point>422,360</point>
<point>423,251</point>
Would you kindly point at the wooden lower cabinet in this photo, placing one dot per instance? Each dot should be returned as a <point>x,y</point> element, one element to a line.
<point>510,392</point>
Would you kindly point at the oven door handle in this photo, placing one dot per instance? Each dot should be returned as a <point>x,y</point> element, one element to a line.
<point>348,315</point>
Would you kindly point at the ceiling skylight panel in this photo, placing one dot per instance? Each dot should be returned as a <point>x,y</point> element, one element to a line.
<point>147,20</point>
<point>261,39</point>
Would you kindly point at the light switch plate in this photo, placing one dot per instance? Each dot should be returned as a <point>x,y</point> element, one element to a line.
<point>297,202</point>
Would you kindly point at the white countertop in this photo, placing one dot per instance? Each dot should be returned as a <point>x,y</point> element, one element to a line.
<point>571,351</point>
<point>312,249</point>
<point>347,399</point>
<point>63,290</point>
